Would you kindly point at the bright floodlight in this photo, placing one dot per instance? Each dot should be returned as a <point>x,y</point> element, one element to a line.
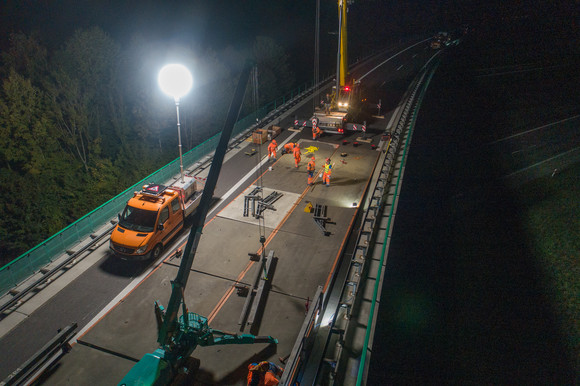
<point>175,80</point>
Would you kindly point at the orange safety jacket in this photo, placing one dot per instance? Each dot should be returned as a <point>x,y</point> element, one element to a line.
<point>264,374</point>
<point>297,152</point>
<point>311,166</point>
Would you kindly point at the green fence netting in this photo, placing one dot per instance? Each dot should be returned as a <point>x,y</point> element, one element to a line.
<point>30,262</point>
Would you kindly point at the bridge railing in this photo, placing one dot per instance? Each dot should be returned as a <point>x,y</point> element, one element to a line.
<point>27,264</point>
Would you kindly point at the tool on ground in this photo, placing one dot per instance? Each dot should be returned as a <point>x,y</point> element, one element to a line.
<point>320,218</point>
<point>283,359</point>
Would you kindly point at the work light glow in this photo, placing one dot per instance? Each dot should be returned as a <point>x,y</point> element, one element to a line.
<point>175,80</point>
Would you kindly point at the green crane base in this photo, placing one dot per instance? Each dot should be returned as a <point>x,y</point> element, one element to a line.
<point>164,364</point>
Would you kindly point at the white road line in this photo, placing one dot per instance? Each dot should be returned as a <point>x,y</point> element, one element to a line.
<point>542,162</point>
<point>401,66</point>
<point>519,71</point>
<point>531,130</point>
<point>397,54</point>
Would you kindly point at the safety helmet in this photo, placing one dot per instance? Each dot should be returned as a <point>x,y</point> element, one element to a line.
<point>274,141</point>
<point>297,144</point>
<point>328,160</point>
<point>262,366</point>
<point>312,158</point>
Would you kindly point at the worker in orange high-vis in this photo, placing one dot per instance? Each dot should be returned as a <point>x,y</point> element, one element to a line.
<point>288,148</point>
<point>311,168</point>
<point>297,157</point>
<point>264,374</point>
<point>272,150</point>
<point>316,132</point>
<point>326,173</point>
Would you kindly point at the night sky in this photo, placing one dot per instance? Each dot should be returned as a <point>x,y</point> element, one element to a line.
<point>219,23</point>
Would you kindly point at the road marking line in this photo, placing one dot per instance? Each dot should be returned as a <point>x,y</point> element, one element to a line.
<point>116,301</point>
<point>401,66</point>
<point>541,162</point>
<point>534,129</point>
<point>397,54</point>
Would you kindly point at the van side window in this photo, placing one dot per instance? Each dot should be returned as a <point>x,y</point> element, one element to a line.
<point>164,215</point>
<point>175,205</point>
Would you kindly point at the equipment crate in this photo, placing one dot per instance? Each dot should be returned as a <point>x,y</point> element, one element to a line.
<point>274,131</point>
<point>260,136</point>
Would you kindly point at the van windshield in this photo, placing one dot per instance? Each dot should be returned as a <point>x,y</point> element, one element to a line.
<point>139,220</point>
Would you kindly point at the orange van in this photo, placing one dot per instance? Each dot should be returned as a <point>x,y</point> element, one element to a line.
<point>152,217</point>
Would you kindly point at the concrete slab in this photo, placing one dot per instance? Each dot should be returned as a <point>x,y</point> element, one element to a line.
<point>224,247</point>
<point>305,255</point>
<point>271,218</point>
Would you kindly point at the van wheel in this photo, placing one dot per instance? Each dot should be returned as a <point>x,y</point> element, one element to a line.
<point>156,251</point>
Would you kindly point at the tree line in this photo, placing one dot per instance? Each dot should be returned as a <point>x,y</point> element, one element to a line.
<point>80,124</point>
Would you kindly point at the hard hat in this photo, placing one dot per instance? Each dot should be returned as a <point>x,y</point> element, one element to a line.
<point>313,158</point>
<point>262,366</point>
<point>328,160</point>
<point>274,141</point>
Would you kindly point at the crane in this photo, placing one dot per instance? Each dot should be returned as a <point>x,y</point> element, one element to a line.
<point>343,93</point>
<point>179,336</point>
